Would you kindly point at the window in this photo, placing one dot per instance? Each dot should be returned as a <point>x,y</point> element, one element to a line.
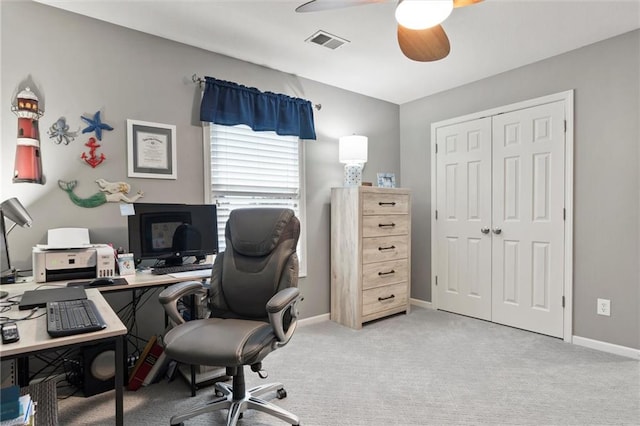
<point>245,168</point>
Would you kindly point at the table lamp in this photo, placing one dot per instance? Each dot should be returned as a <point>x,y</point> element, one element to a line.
<point>352,151</point>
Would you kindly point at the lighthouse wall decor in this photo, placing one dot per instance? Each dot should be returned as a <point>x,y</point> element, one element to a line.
<point>28,164</point>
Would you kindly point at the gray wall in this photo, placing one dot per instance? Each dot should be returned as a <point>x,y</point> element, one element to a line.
<point>80,65</point>
<point>605,77</point>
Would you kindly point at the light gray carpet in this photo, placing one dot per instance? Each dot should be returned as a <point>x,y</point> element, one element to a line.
<point>424,368</point>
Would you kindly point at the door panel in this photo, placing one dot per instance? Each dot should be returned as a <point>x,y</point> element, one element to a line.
<point>505,174</point>
<point>464,203</point>
<point>528,201</point>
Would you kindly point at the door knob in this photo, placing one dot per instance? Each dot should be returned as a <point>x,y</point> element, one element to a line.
<point>497,230</point>
<point>485,230</point>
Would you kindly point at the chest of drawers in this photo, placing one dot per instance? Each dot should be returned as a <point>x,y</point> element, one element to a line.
<point>370,253</point>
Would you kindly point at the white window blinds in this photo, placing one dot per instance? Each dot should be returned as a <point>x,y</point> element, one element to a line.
<point>254,163</point>
<point>254,169</point>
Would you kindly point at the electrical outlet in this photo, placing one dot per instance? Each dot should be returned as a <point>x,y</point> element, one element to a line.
<point>604,307</point>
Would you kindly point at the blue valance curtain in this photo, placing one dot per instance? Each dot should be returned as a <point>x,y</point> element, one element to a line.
<point>230,104</point>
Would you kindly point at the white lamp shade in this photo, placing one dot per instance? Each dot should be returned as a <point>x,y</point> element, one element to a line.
<point>353,149</point>
<point>422,14</point>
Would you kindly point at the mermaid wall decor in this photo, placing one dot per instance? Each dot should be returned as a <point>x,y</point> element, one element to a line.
<point>110,192</point>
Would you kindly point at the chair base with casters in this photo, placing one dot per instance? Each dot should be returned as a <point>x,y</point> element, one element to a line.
<point>237,400</point>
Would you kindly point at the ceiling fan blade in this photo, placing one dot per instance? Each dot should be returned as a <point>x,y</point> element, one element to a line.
<point>320,5</point>
<point>427,45</point>
<point>462,3</point>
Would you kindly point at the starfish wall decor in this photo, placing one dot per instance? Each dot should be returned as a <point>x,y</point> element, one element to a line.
<point>95,125</point>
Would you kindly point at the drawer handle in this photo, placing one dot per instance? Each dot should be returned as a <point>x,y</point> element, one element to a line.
<point>382,203</point>
<point>381,299</point>
<point>386,248</point>
<point>386,273</point>
<point>383,225</point>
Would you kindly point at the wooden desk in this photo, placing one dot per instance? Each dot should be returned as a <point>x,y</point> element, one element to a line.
<point>146,279</point>
<point>139,281</point>
<point>34,338</point>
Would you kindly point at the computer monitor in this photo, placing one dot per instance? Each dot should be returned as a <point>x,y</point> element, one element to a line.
<point>169,233</point>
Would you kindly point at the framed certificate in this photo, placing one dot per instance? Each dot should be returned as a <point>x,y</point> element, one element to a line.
<point>151,150</point>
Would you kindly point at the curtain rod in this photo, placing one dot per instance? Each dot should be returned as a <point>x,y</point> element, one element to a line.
<point>200,81</point>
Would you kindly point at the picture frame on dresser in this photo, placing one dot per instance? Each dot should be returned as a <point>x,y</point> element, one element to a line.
<point>386,180</point>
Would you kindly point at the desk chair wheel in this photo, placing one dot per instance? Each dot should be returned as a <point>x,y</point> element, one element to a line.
<point>281,393</point>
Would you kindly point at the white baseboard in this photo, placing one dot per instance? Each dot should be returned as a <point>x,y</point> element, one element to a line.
<point>607,347</point>
<point>421,303</point>
<point>327,317</point>
<point>314,320</point>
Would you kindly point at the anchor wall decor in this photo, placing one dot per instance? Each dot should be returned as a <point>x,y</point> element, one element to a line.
<point>92,159</point>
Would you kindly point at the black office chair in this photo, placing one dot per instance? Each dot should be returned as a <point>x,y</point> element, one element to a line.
<point>253,299</point>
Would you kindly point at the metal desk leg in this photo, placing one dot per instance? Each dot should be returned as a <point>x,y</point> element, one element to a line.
<point>119,380</point>
<point>193,315</point>
<point>23,371</point>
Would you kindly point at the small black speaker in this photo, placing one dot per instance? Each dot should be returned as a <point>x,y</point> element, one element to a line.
<point>98,368</point>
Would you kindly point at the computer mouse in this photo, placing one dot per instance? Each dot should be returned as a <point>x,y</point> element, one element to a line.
<point>101,281</point>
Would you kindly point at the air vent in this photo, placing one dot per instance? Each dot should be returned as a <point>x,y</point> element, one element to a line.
<point>327,40</point>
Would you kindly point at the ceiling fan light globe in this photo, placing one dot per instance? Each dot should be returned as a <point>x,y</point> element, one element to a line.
<point>422,14</point>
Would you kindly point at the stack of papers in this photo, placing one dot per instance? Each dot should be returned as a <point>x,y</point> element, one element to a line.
<point>26,416</point>
<point>66,238</point>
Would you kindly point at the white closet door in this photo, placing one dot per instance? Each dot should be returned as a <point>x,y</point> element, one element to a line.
<point>528,223</point>
<point>464,209</point>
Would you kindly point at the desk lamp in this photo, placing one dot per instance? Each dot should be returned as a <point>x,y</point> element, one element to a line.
<point>352,151</point>
<point>13,210</point>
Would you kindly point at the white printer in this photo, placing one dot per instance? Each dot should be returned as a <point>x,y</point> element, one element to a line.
<point>69,255</point>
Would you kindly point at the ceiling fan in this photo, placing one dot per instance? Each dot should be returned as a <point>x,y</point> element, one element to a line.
<point>420,35</point>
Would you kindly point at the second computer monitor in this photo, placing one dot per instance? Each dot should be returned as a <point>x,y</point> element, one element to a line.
<point>169,233</point>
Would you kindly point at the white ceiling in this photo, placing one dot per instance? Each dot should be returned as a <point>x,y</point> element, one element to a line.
<point>486,39</point>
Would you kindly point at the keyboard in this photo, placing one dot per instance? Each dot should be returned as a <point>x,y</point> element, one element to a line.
<point>162,270</point>
<point>73,317</point>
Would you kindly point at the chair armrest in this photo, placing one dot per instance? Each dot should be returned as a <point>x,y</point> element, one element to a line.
<point>282,302</point>
<point>169,297</point>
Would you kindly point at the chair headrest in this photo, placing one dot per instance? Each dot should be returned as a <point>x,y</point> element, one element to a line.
<point>256,231</point>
